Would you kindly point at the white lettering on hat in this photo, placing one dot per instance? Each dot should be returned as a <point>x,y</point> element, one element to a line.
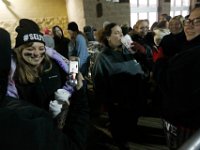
<point>25,38</point>
<point>36,36</point>
<point>33,37</point>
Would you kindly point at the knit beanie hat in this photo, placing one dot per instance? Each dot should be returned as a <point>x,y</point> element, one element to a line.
<point>73,26</point>
<point>87,29</point>
<point>27,24</point>
<point>28,31</point>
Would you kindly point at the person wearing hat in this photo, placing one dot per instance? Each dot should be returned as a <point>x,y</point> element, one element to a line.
<point>23,124</point>
<point>79,48</point>
<point>38,78</point>
<point>89,33</point>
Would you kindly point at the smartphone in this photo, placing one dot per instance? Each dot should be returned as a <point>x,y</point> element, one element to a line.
<point>73,66</point>
<point>73,71</point>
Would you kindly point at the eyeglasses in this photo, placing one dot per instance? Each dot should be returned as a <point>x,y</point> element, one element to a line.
<point>194,22</point>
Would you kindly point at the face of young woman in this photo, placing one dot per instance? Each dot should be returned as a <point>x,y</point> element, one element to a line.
<point>192,25</point>
<point>114,39</point>
<point>143,28</point>
<point>34,54</point>
<point>58,32</point>
<point>175,26</point>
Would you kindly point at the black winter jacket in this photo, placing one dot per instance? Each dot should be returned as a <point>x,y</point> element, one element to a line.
<point>76,123</point>
<point>179,81</point>
<point>173,44</point>
<point>26,127</point>
<point>42,91</point>
<point>118,78</point>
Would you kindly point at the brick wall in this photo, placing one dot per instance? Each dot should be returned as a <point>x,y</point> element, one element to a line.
<point>84,12</point>
<point>113,12</point>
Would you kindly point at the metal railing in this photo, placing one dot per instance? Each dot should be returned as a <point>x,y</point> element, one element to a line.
<point>193,143</point>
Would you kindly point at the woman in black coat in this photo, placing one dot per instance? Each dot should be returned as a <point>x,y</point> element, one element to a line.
<point>178,78</point>
<point>26,126</point>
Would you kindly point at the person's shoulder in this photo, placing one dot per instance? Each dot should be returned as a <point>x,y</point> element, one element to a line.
<point>104,54</point>
<point>134,35</point>
<point>66,39</point>
<point>167,37</point>
<point>22,109</point>
<point>80,37</point>
<point>150,33</point>
<point>22,121</point>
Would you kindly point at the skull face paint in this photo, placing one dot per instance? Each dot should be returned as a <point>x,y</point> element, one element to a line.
<point>34,54</point>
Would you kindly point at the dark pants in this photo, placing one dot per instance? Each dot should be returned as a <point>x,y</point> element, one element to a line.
<point>123,124</point>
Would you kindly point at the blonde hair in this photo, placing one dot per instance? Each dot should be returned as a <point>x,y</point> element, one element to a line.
<point>137,24</point>
<point>25,73</point>
<point>179,18</point>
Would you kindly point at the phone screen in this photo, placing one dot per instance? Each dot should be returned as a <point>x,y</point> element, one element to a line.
<point>73,71</point>
<point>73,66</point>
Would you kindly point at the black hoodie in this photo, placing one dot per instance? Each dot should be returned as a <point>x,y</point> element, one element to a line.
<point>5,57</point>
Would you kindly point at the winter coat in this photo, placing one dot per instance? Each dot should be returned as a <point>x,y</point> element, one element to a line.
<point>42,91</point>
<point>173,44</point>
<point>24,126</point>
<point>27,127</point>
<point>179,81</point>
<point>120,86</point>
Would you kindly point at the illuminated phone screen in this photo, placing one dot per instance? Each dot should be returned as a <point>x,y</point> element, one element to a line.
<point>73,66</point>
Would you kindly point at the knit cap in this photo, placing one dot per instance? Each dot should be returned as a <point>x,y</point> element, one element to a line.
<point>27,24</point>
<point>28,31</point>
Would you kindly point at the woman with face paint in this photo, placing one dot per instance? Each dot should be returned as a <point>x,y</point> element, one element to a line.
<point>41,81</point>
<point>33,67</point>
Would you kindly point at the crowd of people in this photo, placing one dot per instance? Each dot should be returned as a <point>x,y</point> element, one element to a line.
<point>41,109</point>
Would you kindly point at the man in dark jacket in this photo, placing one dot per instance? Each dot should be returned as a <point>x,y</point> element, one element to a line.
<point>26,127</point>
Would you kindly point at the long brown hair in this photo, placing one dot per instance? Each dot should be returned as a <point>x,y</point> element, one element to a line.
<point>25,73</point>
